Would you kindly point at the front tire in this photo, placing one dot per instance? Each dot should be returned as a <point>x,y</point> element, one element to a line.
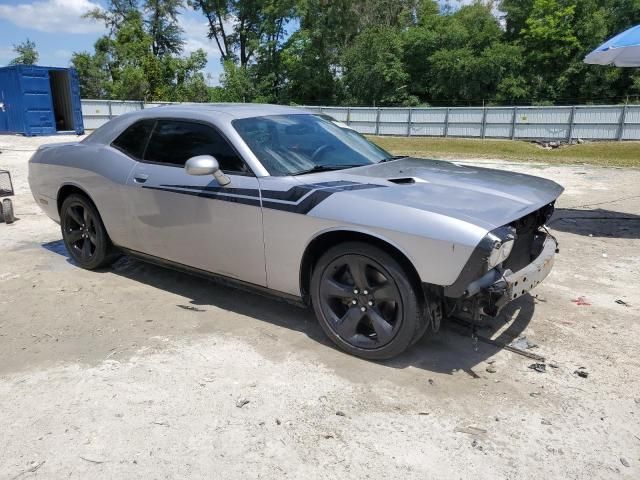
<point>365,301</point>
<point>84,234</point>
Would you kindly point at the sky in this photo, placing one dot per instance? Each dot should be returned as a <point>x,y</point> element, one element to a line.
<point>58,30</point>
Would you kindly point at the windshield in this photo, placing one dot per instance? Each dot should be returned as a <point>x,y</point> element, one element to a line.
<point>295,144</point>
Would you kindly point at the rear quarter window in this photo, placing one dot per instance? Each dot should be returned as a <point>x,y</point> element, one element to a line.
<point>134,139</point>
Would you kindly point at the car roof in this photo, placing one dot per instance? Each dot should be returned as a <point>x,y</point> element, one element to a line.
<point>220,114</point>
<point>235,110</point>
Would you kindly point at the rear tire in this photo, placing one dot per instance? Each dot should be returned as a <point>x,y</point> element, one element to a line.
<point>84,234</point>
<point>366,302</point>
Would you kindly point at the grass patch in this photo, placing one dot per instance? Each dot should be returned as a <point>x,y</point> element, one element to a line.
<point>609,154</point>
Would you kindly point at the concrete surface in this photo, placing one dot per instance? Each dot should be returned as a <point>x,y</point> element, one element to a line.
<point>141,372</point>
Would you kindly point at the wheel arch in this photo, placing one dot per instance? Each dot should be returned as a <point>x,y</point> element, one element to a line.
<point>68,189</point>
<point>326,239</point>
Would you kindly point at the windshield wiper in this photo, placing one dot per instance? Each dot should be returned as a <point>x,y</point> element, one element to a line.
<point>324,168</point>
<point>393,157</point>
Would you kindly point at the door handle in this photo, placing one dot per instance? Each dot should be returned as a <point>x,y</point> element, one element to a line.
<point>140,178</point>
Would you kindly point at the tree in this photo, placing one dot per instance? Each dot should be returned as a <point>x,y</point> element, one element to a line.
<point>237,85</point>
<point>241,27</point>
<point>373,70</point>
<point>383,52</point>
<point>93,74</point>
<point>555,35</point>
<point>130,63</point>
<point>162,26</point>
<point>27,53</point>
<point>460,57</point>
<point>308,77</point>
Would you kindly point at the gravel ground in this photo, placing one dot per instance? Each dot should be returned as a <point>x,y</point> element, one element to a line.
<point>141,372</point>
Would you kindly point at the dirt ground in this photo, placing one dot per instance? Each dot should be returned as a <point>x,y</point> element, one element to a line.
<point>141,372</point>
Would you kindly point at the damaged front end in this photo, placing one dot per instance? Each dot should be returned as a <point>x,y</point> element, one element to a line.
<point>510,261</point>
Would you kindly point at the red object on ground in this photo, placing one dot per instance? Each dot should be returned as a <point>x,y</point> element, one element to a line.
<point>581,301</point>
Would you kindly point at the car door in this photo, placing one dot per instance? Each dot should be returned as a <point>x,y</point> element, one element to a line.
<point>192,220</point>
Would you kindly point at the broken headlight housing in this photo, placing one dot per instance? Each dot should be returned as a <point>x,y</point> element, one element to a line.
<point>501,251</point>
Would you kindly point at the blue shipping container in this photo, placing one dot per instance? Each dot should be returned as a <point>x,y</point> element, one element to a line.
<point>38,100</point>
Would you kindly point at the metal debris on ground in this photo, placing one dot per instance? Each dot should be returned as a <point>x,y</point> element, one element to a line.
<point>581,372</point>
<point>581,301</point>
<point>31,469</point>
<point>340,413</point>
<point>241,402</point>
<point>190,308</point>
<point>538,367</point>
<point>471,430</point>
<point>491,369</point>
<point>624,462</point>
<point>522,343</point>
<point>554,365</point>
<point>622,302</point>
<point>91,460</point>
<point>463,323</point>
<point>545,422</point>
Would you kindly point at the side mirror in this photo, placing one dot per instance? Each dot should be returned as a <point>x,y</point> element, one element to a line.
<point>206,165</point>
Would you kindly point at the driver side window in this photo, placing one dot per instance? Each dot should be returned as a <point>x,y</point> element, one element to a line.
<point>173,142</point>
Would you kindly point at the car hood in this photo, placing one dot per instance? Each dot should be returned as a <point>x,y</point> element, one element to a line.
<point>486,197</point>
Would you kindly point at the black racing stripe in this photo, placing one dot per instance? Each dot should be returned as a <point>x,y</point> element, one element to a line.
<point>245,201</point>
<point>249,192</point>
<point>313,194</point>
<point>294,194</point>
<point>303,207</point>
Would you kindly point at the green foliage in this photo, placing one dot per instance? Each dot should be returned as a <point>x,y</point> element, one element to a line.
<point>27,53</point>
<point>138,60</point>
<point>373,69</point>
<point>365,52</point>
<point>236,82</point>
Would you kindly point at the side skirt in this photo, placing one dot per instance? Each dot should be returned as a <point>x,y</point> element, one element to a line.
<point>217,278</point>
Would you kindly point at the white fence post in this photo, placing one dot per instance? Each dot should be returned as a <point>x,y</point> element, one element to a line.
<point>623,120</point>
<point>446,123</point>
<point>572,122</point>
<point>484,121</point>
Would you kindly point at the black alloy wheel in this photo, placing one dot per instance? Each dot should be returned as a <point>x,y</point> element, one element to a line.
<point>365,301</point>
<point>80,229</point>
<point>84,234</point>
<point>361,301</point>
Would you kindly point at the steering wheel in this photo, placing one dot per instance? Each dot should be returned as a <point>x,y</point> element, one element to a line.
<point>321,150</point>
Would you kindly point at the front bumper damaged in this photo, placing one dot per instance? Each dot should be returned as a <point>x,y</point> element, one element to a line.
<point>490,293</point>
<point>515,284</point>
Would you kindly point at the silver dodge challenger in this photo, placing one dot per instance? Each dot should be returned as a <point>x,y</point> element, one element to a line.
<point>299,205</point>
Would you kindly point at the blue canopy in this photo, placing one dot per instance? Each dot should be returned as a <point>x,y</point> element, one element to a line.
<point>623,50</point>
